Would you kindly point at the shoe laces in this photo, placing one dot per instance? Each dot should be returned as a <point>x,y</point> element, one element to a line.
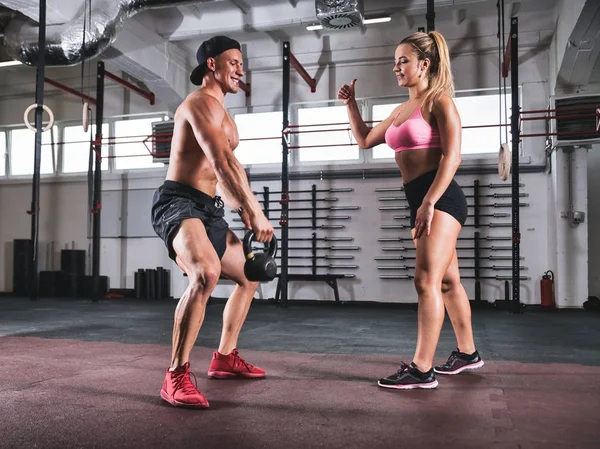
<point>452,357</point>
<point>184,382</point>
<point>238,360</point>
<point>403,368</point>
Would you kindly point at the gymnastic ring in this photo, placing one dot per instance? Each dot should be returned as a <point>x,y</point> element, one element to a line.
<point>50,117</point>
<point>504,161</point>
<point>85,117</point>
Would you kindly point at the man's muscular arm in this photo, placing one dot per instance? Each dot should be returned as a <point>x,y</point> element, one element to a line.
<point>206,116</point>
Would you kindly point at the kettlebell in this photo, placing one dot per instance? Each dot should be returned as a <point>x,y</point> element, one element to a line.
<point>260,266</point>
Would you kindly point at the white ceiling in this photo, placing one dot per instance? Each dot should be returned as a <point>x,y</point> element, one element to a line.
<point>158,46</point>
<point>252,19</point>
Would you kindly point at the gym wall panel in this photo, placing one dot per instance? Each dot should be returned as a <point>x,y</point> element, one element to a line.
<point>333,60</point>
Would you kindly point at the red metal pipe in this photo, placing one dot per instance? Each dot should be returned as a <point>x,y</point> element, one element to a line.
<point>261,138</point>
<point>562,133</point>
<point>317,131</point>
<point>330,124</point>
<point>127,137</point>
<point>485,126</point>
<point>541,111</point>
<point>70,91</point>
<point>147,95</point>
<point>312,83</point>
<point>323,146</point>
<point>137,155</point>
<point>349,129</point>
<point>245,87</point>
<point>559,116</point>
<point>506,62</point>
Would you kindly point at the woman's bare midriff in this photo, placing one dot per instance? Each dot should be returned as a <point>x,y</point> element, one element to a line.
<point>414,163</point>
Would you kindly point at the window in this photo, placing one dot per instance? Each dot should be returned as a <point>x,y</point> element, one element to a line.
<point>481,110</point>
<point>473,111</point>
<point>2,153</point>
<point>258,126</point>
<point>327,145</point>
<point>76,148</point>
<point>130,150</point>
<point>381,112</point>
<point>22,151</point>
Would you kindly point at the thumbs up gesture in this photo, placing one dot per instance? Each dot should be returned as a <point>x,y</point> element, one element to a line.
<point>346,92</point>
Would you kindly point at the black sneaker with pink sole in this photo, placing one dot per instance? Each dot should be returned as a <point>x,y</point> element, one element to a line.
<point>409,377</point>
<point>459,362</point>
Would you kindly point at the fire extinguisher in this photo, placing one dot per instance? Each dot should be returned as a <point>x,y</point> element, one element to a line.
<point>547,289</point>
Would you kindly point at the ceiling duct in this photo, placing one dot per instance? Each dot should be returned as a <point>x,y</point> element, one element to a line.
<point>65,43</point>
<point>339,14</point>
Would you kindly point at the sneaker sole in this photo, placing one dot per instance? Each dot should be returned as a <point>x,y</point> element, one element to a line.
<point>228,375</point>
<point>175,403</point>
<point>427,386</point>
<point>461,369</point>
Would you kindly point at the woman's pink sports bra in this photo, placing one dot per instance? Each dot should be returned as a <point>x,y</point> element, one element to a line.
<point>412,134</point>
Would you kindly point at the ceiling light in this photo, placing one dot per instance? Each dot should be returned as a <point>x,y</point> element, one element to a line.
<point>376,20</point>
<point>9,63</point>
<point>314,27</point>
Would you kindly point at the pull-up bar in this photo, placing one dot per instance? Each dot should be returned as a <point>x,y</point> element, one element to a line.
<point>312,83</point>
<point>70,91</point>
<point>245,87</point>
<point>507,55</point>
<point>146,94</point>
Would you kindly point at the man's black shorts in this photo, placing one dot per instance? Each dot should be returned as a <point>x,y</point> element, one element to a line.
<point>173,202</point>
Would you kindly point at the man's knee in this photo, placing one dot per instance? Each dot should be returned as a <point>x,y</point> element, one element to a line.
<point>204,276</point>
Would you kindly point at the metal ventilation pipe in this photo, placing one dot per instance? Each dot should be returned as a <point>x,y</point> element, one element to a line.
<point>65,43</point>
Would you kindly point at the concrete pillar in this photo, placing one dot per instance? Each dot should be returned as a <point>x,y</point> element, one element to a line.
<point>567,238</point>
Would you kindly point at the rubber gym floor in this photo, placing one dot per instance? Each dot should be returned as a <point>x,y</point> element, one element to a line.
<point>77,374</point>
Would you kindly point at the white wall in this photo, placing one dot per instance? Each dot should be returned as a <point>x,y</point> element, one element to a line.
<point>367,57</point>
<point>63,222</point>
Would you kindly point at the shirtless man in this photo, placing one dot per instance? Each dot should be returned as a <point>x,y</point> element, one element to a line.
<point>188,215</point>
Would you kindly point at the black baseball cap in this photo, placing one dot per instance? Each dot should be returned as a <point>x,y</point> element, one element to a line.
<point>211,49</point>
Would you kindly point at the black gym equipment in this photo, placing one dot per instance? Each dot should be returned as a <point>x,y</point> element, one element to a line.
<point>466,186</point>
<point>458,248</point>
<point>328,218</point>
<point>490,195</point>
<point>462,267</point>
<point>259,266</point>
<point>338,190</point>
<point>37,158</point>
<point>494,205</point>
<point>283,227</point>
<point>410,239</point>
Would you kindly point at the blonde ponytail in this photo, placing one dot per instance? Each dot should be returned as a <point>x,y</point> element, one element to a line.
<point>433,46</point>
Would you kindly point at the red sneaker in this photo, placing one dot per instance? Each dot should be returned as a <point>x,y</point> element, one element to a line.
<point>232,365</point>
<point>178,389</point>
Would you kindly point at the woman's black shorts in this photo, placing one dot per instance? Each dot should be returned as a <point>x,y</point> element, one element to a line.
<point>453,200</point>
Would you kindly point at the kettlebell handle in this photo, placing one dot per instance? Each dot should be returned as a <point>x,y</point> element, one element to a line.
<point>247,243</point>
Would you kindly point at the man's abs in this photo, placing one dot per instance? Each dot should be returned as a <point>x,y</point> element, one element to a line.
<point>191,166</point>
<point>188,163</point>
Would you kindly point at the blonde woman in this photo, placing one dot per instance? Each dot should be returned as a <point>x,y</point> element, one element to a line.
<point>425,133</point>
